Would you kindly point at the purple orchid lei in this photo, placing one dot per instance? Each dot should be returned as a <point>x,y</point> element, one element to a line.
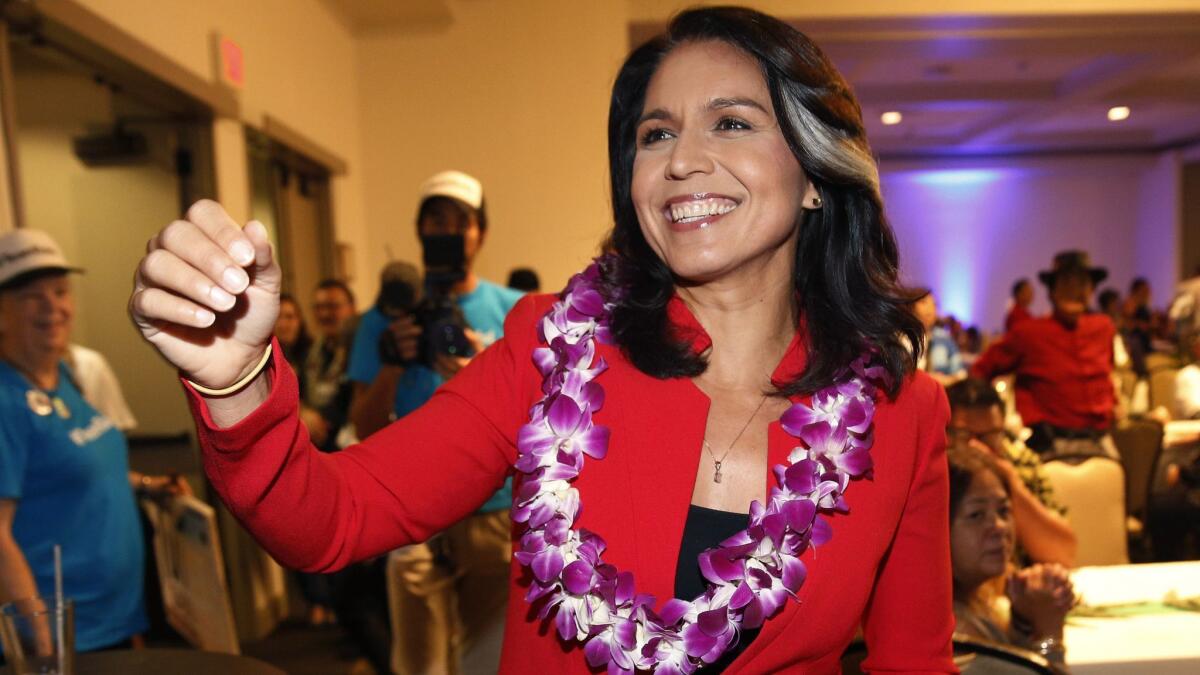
<point>750,575</point>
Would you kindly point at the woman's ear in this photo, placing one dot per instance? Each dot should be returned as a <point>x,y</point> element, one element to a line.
<point>812,198</point>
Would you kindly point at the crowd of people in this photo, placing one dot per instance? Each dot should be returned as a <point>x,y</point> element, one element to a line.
<point>356,446</point>
<point>356,373</point>
<point>1010,543</point>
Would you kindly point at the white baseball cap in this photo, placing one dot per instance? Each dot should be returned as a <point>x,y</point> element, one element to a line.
<point>23,251</point>
<point>466,189</point>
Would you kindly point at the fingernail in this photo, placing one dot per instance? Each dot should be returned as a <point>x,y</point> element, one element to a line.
<point>242,252</point>
<point>235,279</point>
<point>205,317</point>
<point>220,297</point>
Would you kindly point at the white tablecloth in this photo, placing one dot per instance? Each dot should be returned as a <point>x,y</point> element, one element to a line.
<point>1181,432</point>
<point>1166,642</point>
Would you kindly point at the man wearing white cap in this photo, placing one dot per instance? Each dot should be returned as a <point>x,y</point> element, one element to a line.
<point>460,609</point>
<point>64,466</point>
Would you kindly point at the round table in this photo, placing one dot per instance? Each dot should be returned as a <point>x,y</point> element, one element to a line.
<point>175,661</point>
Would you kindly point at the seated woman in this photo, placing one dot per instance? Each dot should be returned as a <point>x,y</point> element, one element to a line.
<point>981,548</point>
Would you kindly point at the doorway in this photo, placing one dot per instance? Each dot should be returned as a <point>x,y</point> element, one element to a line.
<point>103,161</point>
<point>290,194</point>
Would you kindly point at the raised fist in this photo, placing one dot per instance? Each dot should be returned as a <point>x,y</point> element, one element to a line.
<point>206,295</point>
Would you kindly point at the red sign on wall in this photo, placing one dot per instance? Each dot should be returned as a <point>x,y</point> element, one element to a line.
<point>232,67</point>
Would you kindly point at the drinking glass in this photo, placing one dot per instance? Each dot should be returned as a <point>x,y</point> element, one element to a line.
<point>38,636</point>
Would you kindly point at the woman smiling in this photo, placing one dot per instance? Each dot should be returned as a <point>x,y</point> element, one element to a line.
<point>722,456</point>
<point>64,466</point>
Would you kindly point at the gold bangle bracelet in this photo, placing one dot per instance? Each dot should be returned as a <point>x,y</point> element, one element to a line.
<point>236,386</point>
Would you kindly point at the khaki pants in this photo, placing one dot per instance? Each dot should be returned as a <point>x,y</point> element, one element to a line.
<point>448,598</point>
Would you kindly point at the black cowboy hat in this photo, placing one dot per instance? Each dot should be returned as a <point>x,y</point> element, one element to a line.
<point>1072,261</point>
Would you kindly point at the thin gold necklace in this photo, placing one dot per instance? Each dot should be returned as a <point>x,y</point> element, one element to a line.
<point>717,462</point>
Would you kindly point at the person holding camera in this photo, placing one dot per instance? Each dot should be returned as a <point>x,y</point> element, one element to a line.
<point>419,334</point>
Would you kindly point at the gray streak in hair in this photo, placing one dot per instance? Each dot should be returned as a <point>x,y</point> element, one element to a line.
<point>832,154</point>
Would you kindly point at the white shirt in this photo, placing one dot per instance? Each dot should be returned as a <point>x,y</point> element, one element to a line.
<point>99,386</point>
<point>1187,392</point>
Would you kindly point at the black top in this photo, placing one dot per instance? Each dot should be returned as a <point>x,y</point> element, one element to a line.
<point>706,528</point>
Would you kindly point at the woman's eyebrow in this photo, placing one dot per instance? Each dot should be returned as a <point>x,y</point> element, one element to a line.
<point>719,103</point>
<point>656,114</point>
<point>735,102</point>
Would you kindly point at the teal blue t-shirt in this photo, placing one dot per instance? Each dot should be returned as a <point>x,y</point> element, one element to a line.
<point>484,309</point>
<point>68,470</point>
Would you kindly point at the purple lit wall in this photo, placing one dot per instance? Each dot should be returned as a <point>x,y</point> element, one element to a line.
<point>968,229</point>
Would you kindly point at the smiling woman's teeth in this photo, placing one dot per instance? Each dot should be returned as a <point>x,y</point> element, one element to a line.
<point>687,212</point>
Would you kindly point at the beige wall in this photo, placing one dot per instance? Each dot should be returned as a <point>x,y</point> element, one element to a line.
<point>515,93</point>
<point>101,217</point>
<point>300,69</point>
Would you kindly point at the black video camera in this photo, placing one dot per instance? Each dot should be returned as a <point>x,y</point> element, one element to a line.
<point>433,305</point>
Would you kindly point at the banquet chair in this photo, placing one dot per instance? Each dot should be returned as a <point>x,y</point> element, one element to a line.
<point>1093,491</point>
<point>973,656</point>
<point>1140,444</point>
<point>1127,381</point>
<point>1162,388</point>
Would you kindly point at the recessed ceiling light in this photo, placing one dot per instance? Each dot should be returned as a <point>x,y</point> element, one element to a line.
<point>1118,113</point>
<point>891,117</point>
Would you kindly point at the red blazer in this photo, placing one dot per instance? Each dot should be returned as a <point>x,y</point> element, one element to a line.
<point>886,569</point>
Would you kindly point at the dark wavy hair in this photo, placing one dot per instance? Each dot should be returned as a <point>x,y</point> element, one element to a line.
<point>965,464</point>
<point>846,273</point>
<point>973,394</point>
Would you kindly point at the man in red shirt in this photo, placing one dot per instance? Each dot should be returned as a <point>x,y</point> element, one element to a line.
<point>1063,364</point>
<point>1022,297</point>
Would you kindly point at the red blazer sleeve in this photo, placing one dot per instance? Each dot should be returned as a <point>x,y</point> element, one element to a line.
<point>319,512</point>
<point>1003,356</point>
<point>909,619</point>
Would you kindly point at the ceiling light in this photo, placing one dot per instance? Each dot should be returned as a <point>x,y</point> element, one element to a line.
<point>1118,113</point>
<point>892,117</point>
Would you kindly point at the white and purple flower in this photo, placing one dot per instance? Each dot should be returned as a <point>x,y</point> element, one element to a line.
<point>751,575</point>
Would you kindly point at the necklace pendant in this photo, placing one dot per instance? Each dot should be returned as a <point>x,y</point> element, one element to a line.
<point>717,472</point>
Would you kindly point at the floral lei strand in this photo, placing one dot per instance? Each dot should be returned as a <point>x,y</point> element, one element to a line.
<point>750,575</point>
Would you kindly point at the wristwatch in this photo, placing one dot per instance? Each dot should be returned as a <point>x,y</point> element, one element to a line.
<point>1049,647</point>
